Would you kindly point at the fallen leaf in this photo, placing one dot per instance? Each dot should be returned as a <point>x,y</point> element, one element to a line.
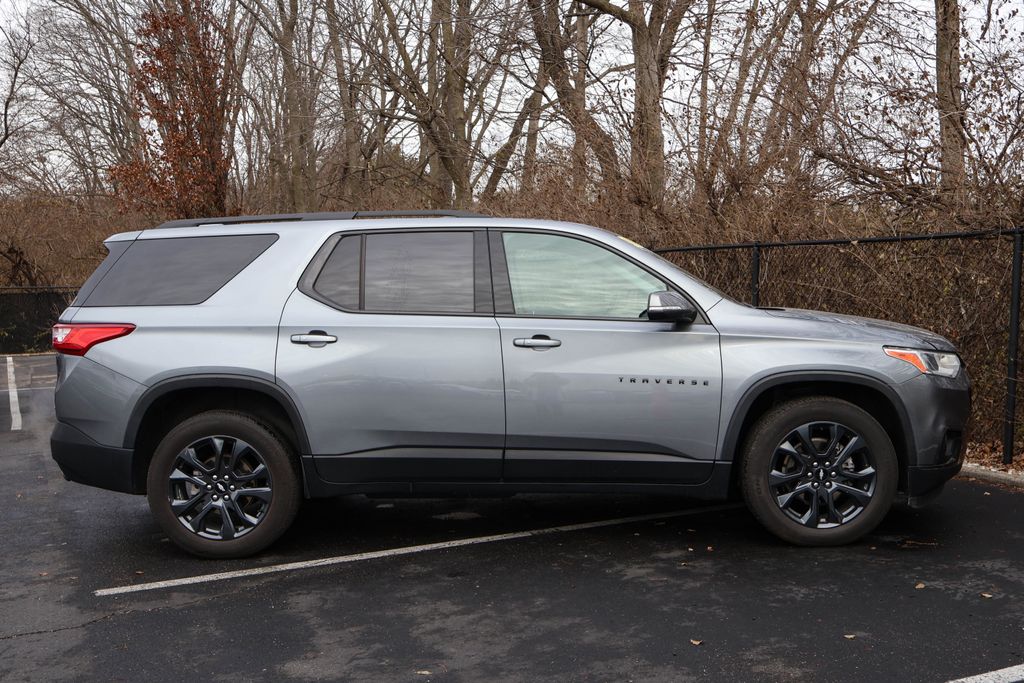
<point>987,493</point>
<point>919,585</point>
<point>423,673</point>
<point>986,595</point>
<point>139,571</point>
<point>874,547</point>
<point>711,548</point>
<point>694,641</point>
<point>849,636</point>
<point>44,573</point>
<point>690,549</point>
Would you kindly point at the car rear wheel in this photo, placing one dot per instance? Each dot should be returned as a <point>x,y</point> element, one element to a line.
<point>222,485</point>
<point>819,471</point>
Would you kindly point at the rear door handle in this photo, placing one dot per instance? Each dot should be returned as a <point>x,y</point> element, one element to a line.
<point>314,338</point>
<point>537,341</point>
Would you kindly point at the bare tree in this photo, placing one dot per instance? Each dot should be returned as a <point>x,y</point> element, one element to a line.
<point>16,44</point>
<point>84,72</point>
<point>293,31</point>
<point>449,62</point>
<point>556,43</point>
<point>654,27</point>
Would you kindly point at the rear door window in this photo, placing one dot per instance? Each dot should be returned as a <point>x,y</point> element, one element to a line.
<point>404,272</point>
<point>174,271</point>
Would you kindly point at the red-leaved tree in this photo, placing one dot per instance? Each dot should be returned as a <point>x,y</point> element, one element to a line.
<point>183,86</point>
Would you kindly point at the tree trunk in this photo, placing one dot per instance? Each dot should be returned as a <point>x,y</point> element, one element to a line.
<point>552,44</point>
<point>529,179</point>
<point>647,144</point>
<point>947,92</point>
<point>579,144</point>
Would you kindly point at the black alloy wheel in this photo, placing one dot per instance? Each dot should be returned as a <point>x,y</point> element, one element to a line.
<point>223,484</point>
<point>822,475</point>
<point>220,488</point>
<point>818,471</point>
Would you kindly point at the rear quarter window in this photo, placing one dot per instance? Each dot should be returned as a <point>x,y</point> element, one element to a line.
<point>171,271</point>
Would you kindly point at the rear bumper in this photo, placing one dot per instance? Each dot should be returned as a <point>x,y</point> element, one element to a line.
<point>85,461</point>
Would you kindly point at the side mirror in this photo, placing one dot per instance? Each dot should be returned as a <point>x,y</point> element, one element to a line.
<point>670,307</point>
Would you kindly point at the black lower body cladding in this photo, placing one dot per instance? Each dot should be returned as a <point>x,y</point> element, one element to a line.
<point>84,461</point>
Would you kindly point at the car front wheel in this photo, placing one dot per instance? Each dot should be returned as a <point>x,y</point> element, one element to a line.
<point>223,485</point>
<point>819,471</point>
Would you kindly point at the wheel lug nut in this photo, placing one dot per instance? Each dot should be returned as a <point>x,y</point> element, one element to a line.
<point>215,497</point>
<point>833,474</point>
<point>209,488</point>
<point>232,487</point>
<point>814,465</point>
<point>215,476</point>
<point>815,485</point>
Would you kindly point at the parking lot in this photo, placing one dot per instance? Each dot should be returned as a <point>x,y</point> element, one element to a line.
<point>609,588</point>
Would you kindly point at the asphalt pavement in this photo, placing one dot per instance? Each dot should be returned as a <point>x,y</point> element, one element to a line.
<point>450,590</point>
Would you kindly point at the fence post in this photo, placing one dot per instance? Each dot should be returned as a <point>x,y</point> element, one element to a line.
<point>755,275</point>
<point>1010,415</point>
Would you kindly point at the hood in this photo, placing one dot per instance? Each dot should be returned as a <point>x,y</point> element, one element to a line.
<point>866,328</point>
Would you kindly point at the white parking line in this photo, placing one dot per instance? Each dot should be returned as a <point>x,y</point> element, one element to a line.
<point>12,395</point>
<point>1013,674</point>
<point>408,550</point>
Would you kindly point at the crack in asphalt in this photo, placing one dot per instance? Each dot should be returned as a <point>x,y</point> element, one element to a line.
<point>108,615</point>
<point>42,632</point>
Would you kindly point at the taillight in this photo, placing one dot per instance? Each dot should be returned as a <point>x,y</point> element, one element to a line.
<point>76,339</point>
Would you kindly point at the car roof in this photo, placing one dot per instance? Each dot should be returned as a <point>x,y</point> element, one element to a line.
<point>329,226</point>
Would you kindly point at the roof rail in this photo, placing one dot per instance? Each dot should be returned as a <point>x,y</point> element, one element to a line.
<point>321,216</point>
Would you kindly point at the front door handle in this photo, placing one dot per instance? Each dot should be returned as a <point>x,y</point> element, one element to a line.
<point>537,341</point>
<point>314,338</point>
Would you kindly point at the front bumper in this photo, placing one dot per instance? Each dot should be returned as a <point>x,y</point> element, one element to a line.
<point>938,409</point>
<point>87,462</point>
<point>925,483</point>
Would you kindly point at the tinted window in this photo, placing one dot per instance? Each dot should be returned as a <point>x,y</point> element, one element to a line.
<point>557,276</point>
<point>339,279</point>
<point>419,272</point>
<point>114,251</point>
<point>174,271</point>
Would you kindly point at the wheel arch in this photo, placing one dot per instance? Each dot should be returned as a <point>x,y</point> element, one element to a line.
<point>170,401</point>
<point>872,395</point>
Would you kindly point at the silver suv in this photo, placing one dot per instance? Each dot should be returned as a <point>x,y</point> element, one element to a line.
<point>229,367</point>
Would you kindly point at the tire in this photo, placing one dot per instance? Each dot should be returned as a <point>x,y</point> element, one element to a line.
<point>789,472</point>
<point>223,463</point>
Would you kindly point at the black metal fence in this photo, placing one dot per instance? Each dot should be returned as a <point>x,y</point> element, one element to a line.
<point>26,314</point>
<point>963,285</point>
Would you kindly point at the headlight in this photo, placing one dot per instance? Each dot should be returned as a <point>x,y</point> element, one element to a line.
<point>928,362</point>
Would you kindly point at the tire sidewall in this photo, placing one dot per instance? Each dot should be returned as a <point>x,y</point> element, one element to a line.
<point>769,433</point>
<point>284,480</point>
